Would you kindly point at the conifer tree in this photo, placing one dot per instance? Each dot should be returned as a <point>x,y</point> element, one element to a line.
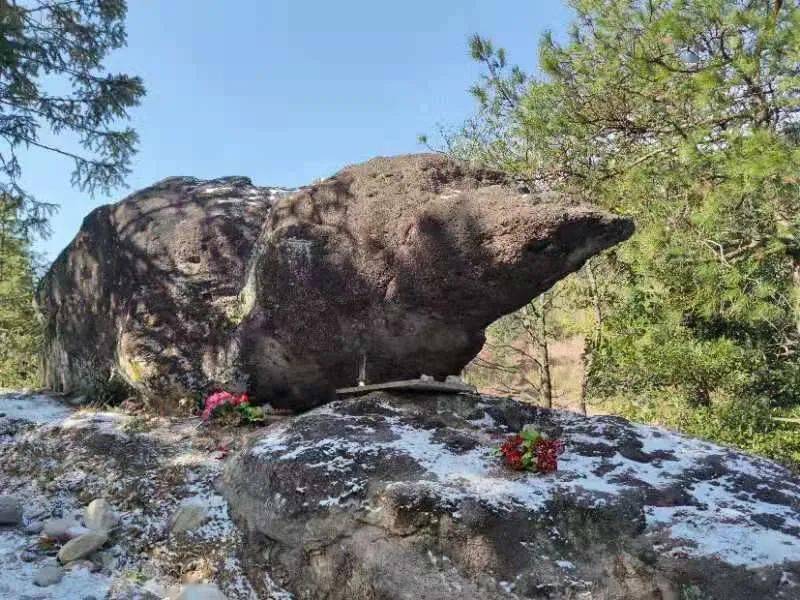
<point>55,96</point>
<point>686,116</point>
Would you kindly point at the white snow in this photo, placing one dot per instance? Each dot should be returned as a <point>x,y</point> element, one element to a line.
<point>103,422</point>
<point>486,421</point>
<point>36,408</point>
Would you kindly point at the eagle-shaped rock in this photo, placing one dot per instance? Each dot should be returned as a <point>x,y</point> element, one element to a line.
<point>398,264</point>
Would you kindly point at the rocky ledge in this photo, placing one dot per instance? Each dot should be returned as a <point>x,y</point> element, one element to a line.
<point>385,496</point>
<point>403,497</point>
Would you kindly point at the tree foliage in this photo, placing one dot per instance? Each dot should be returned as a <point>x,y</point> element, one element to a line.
<point>684,115</point>
<point>20,334</point>
<point>55,96</point>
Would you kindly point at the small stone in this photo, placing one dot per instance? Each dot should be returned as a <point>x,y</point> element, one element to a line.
<point>34,527</point>
<point>28,556</point>
<point>100,516</point>
<point>190,515</point>
<point>82,546</point>
<point>49,575</point>
<point>82,564</point>
<point>152,586</point>
<point>10,510</point>
<point>76,531</point>
<point>200,591</point>
<point>195,576</point>
<point>59,529</point>
<point>105,560</point>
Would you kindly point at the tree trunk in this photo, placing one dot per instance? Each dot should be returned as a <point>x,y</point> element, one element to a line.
<point>796,283</point>
<point>586,360</point>
<point>591,344</point>
<point>546,386</point>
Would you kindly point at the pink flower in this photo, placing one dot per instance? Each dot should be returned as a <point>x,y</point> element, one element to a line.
<point>218,399</point>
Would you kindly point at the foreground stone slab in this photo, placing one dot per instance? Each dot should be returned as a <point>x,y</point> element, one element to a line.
<point>401,495</point>
<point>399,263</point>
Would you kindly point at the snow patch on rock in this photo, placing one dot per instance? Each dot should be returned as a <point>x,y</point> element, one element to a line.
<point>36,408</point>
<point>717,519</point>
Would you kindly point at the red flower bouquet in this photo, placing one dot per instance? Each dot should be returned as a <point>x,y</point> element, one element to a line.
<point>531,450</point>
<point>218,400</point>
<point>225,403</point>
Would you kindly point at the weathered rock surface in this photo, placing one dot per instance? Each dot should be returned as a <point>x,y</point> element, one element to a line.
<point>391,497</point>
<point>188,286</point>
<point>399,496</point>
<point>149,284</point>
<point>10,510</point>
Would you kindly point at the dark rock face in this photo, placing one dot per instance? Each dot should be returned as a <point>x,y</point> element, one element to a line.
<point>400,496</point>
<point>189,285</point>
<point>404,261</point>
<point>149,284</point>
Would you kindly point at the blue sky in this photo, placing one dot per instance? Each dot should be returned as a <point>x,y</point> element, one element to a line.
<point>287,91</point>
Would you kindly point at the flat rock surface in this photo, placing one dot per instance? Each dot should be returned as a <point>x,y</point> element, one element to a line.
<point>10,510</point>
<point>367,497</point>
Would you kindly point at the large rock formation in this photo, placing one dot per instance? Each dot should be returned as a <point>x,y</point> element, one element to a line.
<point>393,497</point>
<point>149,286</point>
<point>399,262</point>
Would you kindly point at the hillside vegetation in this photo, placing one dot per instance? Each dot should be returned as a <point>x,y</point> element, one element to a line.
<point>683,115</point>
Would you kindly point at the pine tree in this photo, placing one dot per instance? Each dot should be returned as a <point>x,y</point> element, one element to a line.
<point>53,86</point>
<point>20,333</point>
<point>683,115</point>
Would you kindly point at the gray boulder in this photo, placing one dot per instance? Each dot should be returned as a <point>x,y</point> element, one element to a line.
<point>10,510</point>
<point>402,496</point>
<point>148,287</point>
<point>401,263</point>
<point>47,576</point>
